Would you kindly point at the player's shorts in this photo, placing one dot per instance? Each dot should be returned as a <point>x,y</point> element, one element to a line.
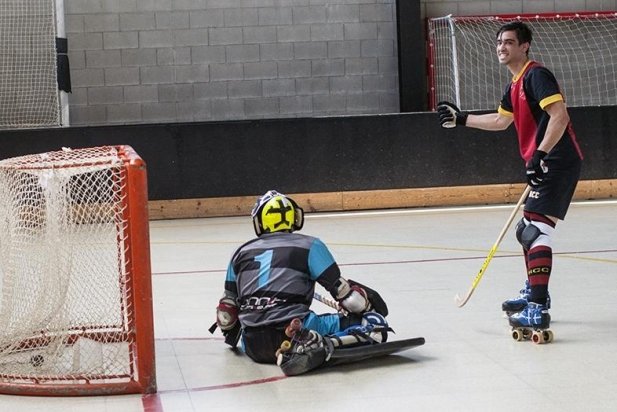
<point>553,196</point>
<point>261,343</point>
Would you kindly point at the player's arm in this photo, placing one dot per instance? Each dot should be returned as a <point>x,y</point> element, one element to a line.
<point>227,311</point>
<point>326,272</point>
<point>450,116</point>
<point>557,124</point>
<point>536,168</point>
<point>490,121</point>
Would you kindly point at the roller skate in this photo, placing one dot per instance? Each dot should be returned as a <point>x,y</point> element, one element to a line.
<point>300,339</point>
<point>532,323</point>
<point>517,304</point>
<point>304,351</point>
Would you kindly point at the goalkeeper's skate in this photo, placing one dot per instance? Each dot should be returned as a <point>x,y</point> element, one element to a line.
<point>533,323</point>
<point>519,303</point>
<point>304,351</point>
<point>300,338</point>
<point>307,350</point>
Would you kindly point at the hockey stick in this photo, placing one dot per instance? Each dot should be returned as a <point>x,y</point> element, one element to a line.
<point>461,301</point>
<point>327,302</point>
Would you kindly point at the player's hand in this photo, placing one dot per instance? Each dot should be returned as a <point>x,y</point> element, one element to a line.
<point>356,301</point>
<point>536,168</point>
<point>450,116</point>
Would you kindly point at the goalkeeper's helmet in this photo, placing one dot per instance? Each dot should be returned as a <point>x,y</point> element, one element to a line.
<point>275,212</point>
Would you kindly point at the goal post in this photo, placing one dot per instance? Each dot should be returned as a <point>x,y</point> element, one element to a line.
<point>579,48</point>
<point>75,278</point>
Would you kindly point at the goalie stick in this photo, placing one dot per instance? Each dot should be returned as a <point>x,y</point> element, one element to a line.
<point>461,301</point>
<point>327,302</point>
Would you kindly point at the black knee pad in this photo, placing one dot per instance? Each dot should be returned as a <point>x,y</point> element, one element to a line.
<point>520,226</point>
<point>528,234</point>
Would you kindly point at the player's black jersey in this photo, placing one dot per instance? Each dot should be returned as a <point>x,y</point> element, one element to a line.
<point>273,277</point>
<point>525,98</point>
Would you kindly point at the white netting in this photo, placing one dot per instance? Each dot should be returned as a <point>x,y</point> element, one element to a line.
<point>28,80</point>
<point>579,49</point>
<point>64,308</point>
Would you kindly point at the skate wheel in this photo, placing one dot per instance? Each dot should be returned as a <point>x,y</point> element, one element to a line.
<point>537,337</point>
<point>548,336</point>
<point>293,327</point>
<point>517,335</point>
<point>285,346</point>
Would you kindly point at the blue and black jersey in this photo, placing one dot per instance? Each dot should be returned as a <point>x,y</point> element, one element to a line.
<point>274,275</point>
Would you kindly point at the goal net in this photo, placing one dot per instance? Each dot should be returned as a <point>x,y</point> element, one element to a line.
<point>578,48</point>
<point>76,300</point>
<point>28,87</point>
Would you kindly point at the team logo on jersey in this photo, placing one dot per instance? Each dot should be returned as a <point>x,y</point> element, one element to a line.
<point>260,303</point>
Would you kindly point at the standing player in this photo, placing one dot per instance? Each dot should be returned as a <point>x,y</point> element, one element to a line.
<point>271,281</point>
<point>534,102</point>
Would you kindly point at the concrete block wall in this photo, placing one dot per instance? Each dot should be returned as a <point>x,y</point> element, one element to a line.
<point>151,61</point>
<point>439,8</point>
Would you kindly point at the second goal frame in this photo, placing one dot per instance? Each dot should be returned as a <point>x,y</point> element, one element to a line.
<point>578,47</point>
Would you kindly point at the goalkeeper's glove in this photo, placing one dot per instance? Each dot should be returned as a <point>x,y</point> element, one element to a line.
<point>450,116</point>
<point>536,168</point>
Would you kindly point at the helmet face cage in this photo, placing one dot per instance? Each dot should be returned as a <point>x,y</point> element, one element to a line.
<point>275,212</point>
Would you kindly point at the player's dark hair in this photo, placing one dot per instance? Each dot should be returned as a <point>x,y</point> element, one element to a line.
<point>523,32</point>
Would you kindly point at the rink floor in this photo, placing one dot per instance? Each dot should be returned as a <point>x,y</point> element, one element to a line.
<point>418,259</point>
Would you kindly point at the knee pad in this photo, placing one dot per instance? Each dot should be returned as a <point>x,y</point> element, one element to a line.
<point>528,234</point>
<point>520,226</point>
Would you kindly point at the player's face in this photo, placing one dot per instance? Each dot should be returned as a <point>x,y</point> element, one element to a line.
<point>509,51</point>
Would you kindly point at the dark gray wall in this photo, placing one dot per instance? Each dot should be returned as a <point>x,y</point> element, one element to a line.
<point>310,155</point>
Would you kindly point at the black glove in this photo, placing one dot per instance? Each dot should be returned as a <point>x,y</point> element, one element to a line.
<point>450,116</point>
<point>536,168</point>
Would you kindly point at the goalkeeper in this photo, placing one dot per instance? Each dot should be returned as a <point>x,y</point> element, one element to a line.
<point>548,146</point>
<point>271,281</point>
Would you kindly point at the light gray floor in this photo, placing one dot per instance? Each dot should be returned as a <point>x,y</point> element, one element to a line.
<point>418,260</point>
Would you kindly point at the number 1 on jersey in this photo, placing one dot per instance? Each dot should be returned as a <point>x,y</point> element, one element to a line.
<point>265,264</point>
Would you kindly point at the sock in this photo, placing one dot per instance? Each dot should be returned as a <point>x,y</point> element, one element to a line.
<point>539,258</point>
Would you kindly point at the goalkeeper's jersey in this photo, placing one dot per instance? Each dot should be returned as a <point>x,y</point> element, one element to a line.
<point>525,98</point>
<point>274,275</point>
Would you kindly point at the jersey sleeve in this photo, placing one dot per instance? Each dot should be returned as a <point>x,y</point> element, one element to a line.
<point>505,106</point>
<point>543,86</point>
<point>231,288</point>
<point>321,261</point>
<point>323,268</point>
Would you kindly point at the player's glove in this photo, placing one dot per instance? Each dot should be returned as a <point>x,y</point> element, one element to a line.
<point>536,168</point>
<point>356,301</point>
<point>450,116</point>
